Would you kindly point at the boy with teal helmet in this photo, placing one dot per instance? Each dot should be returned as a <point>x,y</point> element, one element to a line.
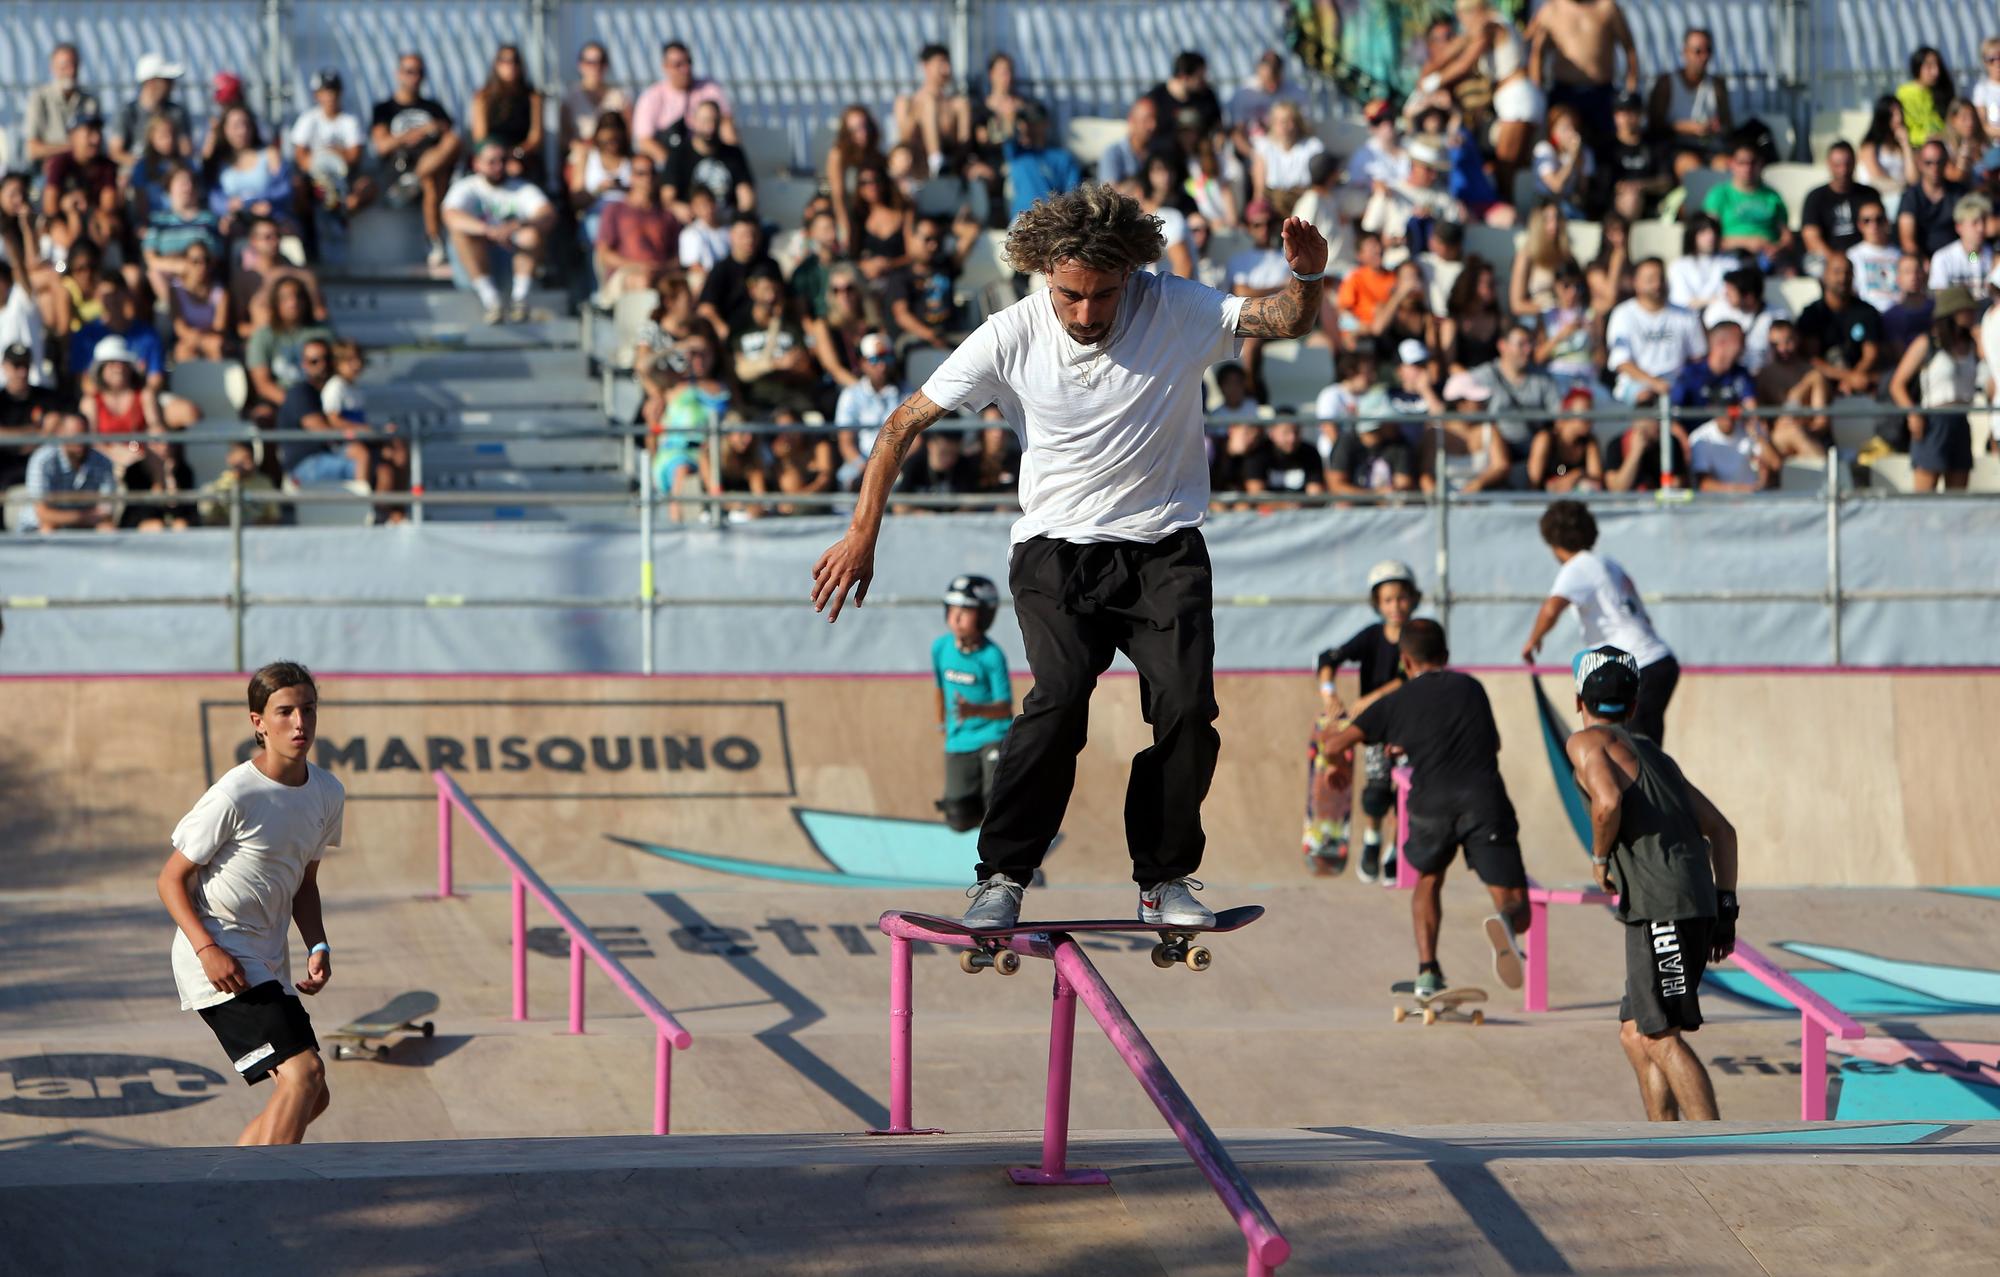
<point>975,699</point>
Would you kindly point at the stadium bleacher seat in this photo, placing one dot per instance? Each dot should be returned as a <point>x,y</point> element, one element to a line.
<point>1088,137</point>
<point>1295,373</point>
<point>1654,238</point>
<point>1343,135</point>
<point>1698,183</point>
<point>627,314</point>
<point>1497,244</point>
<point>1794,182</point>
<point>987,271</point>
<point>1796,292</point>
<point>919,362</point>
<point>769,150</point>
<point>946,196</point>
<point>780,200</point>
<point>1585,238</point>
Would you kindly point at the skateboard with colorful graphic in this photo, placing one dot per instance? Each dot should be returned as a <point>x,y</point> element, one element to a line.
<point>1329,801</point>
<point>399,1016</point>
<point>1445,1004</point>
<point>1176,946</point>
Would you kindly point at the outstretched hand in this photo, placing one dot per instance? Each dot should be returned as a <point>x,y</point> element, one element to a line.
<point>848,564</point>
<point>1305,247</point>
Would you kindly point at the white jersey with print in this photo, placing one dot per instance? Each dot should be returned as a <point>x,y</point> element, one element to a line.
<point>1608,607</point>
<point>1111,434</point>
<point>253,838</point>
<point>508,200</point>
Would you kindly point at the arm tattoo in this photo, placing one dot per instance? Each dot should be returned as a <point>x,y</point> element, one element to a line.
<point>1287,314</point>
<point>892,445</point>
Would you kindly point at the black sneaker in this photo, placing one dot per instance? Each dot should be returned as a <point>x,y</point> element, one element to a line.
<point>1371,861</point>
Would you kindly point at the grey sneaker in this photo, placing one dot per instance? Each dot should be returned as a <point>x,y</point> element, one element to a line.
<point>438,258</point>
<point>496,314</point>
<point>1172,904</point>
<point>517,312</point>
<point>1506,952</point>
<point>996,902</point>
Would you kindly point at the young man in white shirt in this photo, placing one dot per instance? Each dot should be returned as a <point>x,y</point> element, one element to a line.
<point>1608,609</point>
<point>492,217</point>
<point>1966,262</point>
<point>1649,339</point>
<point>244,868</point>
<point>1102,373</point>
<point>326,146</point>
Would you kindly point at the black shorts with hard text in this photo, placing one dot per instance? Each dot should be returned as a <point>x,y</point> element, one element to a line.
<point>1491,839</point>
<point>1664,962</point>
<point>261,1029</point>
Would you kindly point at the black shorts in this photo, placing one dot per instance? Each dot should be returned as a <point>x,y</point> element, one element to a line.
<point>261,1029</point>
<point>1656,687</point>
<point>1664,962</point>
<point>1491,839</point>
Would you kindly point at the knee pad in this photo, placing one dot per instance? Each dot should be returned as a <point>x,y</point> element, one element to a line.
<point>1378,798</point>
<point>962,814</point>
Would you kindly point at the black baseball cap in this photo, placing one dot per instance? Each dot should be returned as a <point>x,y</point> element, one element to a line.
<point>325,78</point>
<point>1628,102</point>
<point>18,355</point>
<point>1607,680</point>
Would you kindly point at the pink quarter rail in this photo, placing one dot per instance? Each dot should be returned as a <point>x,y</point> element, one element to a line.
<point>669,1035</point>
<point>1076,979</point>
<point>1818,1018</point>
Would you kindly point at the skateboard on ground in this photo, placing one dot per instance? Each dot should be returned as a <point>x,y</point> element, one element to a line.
<point>1176,943</point>
<point>1444,1004</point>
<point>399,1016</point>
<point>1329,801</point>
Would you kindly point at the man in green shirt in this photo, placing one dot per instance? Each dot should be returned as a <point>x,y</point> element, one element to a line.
<point>1753,216</point>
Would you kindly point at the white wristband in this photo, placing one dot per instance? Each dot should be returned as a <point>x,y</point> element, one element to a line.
<point>1310,279</point>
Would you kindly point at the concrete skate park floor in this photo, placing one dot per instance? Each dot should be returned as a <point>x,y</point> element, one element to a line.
<point>1286,1041</point>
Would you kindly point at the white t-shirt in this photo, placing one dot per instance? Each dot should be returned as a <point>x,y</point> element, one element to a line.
<point>702,245</point>
<point>1692,279</point>
<point>342,400</point>
<point>1112,444</point>
<point>1659,342</point>
<point>322,136</point>
<point>1287,170</point>
<point>1334,410</point>
<point>1732,458</point>
<point>1875,273</point>
<point>862,409</point>
<point>1260,268</point>
<point>1986,96</point>
<point>1953,267</point>
<point>253,838</point>
<point>509,200</point>
<point>1608,606</point>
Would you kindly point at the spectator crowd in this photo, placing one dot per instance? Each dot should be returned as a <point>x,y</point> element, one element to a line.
<point>1546,239</point>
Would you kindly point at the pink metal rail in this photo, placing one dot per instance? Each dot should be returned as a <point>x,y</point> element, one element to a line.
<point>1818,1018</point>
<point>669,1035</point>
<point>1076,979</point>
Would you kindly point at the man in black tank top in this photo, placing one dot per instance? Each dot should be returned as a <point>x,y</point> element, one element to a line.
<point>1670,856</point>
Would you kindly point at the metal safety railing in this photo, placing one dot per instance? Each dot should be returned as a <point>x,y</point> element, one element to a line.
<point>584,946</point>
<point>1818,1018</point>
<point>1077,979</point>
<point>711,510</point>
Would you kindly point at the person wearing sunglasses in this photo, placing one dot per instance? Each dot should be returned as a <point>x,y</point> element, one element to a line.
<point>1924,217</point>
<point>583,103</point>
<point>1875,257</point>
<point>1829,221</point>
<point>418,145</point>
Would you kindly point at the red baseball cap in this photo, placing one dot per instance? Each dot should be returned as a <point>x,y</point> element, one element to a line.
<point>1578,397</point>
<point>228,88</point>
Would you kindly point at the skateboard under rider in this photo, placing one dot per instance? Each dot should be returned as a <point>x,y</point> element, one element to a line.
<point>1176,944</point>
<point>1444,1004</point>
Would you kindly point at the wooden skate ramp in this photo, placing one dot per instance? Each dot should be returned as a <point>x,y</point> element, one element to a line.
<point>1831,779</point>
<point>1554,1199</point>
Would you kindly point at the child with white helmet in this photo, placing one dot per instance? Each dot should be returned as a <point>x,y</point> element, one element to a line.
<point>975,700</point>
<point>1393,594</point>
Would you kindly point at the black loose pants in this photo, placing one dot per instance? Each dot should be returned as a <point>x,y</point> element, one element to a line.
<point>1078,605</point>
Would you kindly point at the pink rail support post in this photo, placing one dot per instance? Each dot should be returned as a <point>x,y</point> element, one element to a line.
<point>1267,1247</point>
<point>1818,1018</point>
<point>902,1014</point>
<point>669,1034</point>
<point>1055,1112</point>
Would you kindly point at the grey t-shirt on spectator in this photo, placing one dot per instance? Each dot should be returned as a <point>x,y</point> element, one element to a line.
<point>1535,392</point>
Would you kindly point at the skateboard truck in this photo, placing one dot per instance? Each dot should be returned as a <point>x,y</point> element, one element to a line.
<point>973,961</point>
<point>1177,947</point>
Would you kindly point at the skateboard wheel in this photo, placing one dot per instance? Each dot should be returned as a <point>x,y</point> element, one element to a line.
<point>382,1052</point>
<point>430,1030</point>
<point>968,962</point>
<point>1198,959</point>
<point>339,1051</point>
<point>1430,1016</point>
<point>1162,958</point>
<point>1400,1013</point>
<point>1007,962</point>
<point>1479,1017</point>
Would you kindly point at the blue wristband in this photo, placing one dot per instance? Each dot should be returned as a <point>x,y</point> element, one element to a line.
<point>321,947</point>
<point>1309,279</point>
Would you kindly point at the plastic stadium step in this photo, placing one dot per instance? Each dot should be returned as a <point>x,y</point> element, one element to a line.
<point>567,455</point>
<point>375,333</point>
